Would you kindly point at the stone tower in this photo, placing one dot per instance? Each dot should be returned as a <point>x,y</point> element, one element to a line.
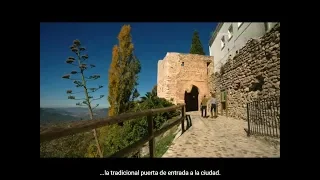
<point>183,78</point>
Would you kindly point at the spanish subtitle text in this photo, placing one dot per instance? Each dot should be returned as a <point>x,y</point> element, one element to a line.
<point>160,173</point>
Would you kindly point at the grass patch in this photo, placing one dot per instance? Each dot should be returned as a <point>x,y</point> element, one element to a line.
<point>163,145</point>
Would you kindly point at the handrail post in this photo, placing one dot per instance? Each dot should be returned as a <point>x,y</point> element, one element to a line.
<point>183,114</point>
<point>151,133</point>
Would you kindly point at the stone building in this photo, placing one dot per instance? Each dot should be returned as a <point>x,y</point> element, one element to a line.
<point>183,78</point>
<point>252,74</point>
<point>229,37</point>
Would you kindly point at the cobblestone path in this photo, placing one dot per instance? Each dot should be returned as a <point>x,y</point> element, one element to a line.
<point>220,137</point>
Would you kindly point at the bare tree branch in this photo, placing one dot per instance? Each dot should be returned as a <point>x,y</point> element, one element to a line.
<point>68,76</point>
<point>70,60</point>
<point>93,77</point>
<point>74,98</point>
<point>101,96</point>
<point>94,89</point>
<point>83,67</point>
<point>84,57</point>
<point>80,104</point>
<point>95,106</point>
<point>70,92</point>
<point>74,72</point>
<point>91,66</point>
<point>78,83</point>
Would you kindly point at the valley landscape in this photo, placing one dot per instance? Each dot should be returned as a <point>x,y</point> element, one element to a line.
<point>62,115</point>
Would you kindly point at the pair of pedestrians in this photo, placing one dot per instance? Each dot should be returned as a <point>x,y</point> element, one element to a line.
<point>212,103</point>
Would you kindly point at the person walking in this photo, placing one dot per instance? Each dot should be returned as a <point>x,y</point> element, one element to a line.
<point>213,105</point>
<point>204,106</point>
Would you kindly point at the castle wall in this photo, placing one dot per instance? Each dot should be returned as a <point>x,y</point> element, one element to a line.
<point>160,78</point>
<point>257,65</point>
<point>176,79</point>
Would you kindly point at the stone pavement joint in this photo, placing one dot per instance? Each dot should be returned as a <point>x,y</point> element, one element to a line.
<point>220,137</point>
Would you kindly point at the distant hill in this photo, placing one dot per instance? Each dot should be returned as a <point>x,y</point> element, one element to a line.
<point>60,115</point>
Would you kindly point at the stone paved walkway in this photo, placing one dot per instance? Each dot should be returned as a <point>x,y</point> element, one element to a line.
<point>220,137</point>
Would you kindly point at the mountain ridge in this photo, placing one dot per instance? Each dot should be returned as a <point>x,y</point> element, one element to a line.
<point>61,115</point>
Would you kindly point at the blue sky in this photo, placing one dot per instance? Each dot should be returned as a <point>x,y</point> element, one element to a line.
<point>151,40</point>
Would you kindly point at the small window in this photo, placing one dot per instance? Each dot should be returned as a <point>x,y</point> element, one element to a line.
<point>230,32</point>
<point>223,96</point>
<point>182,64</point>
<point>222,42</point>
<point>239,24</point>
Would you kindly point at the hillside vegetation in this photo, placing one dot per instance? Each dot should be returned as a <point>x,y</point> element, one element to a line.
<point>82,144</point>
<point>123,97</point>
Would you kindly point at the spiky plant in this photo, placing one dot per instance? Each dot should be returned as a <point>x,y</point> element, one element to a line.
<point>80,62</point>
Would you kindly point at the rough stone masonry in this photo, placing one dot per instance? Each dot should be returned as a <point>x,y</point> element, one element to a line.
<point>177,73</point>
<point>252,74</point>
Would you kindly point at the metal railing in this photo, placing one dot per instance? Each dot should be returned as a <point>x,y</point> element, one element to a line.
<point>264,117</point>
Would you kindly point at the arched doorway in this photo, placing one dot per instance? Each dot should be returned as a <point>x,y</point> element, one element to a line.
<point>191,99</point>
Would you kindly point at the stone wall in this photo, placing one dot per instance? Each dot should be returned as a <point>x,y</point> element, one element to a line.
<point>162,72</point>
<point>174,79</point>
<point>253,73</point>
<point>211,78</point>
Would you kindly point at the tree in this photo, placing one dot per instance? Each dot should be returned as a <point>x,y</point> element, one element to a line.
<point>79,62</point>
<point>123,74</point>
<point>154,90</point>
<point>152,101</point>
<point>196,46</point>
<point>123,79</point>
